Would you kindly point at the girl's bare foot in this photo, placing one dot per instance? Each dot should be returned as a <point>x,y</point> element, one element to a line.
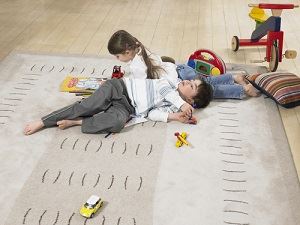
<point>250,90</point>
<point>63,124</point>
<point>33,127</point>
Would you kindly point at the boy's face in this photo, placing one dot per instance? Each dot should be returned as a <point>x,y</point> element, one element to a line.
<point>188,89</point>
<point>126,57</point>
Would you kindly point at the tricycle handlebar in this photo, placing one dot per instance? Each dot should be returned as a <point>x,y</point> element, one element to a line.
<point>273,6</point>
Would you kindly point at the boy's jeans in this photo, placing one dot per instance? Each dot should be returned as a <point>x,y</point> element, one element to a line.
<point>223,85</point>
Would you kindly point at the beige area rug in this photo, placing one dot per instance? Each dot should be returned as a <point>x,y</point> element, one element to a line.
<point>239,171</point>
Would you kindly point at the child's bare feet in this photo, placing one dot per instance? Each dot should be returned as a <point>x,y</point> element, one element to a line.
<point>63,124</point>
<point>240,79</point>
<point>250,90</point>
<point>33,127</point>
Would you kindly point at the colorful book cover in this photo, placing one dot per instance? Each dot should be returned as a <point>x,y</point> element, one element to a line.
<point>75,84</point>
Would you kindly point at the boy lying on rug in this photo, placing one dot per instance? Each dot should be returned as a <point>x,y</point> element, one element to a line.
<point>109,107</point>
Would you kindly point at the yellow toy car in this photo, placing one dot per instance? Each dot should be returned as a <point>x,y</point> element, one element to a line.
<point>91,206</point>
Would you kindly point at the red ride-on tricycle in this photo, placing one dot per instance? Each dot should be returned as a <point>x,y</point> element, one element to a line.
<point>269,26</point>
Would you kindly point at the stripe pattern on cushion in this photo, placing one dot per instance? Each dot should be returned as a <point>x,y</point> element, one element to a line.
<point>283,87</point>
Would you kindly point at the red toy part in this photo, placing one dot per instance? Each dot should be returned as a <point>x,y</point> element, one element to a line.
<point>274,37</point>
<point>117,73</point>
<point>276,6</point>
<point>207,62</point>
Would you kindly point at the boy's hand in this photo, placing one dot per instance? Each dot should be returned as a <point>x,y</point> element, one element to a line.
<point>192,120</point>
<point>187,109</point>
<point>182,117</point>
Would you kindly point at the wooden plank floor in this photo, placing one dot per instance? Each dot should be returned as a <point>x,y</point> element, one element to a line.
<point>167,27</point>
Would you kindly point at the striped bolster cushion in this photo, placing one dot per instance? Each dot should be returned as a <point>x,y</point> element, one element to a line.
<point>283,87</point>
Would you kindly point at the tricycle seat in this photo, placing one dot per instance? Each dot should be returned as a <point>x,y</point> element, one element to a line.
<point>258,15</point>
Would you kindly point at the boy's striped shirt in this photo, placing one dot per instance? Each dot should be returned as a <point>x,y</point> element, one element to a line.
<point>146,94</point>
